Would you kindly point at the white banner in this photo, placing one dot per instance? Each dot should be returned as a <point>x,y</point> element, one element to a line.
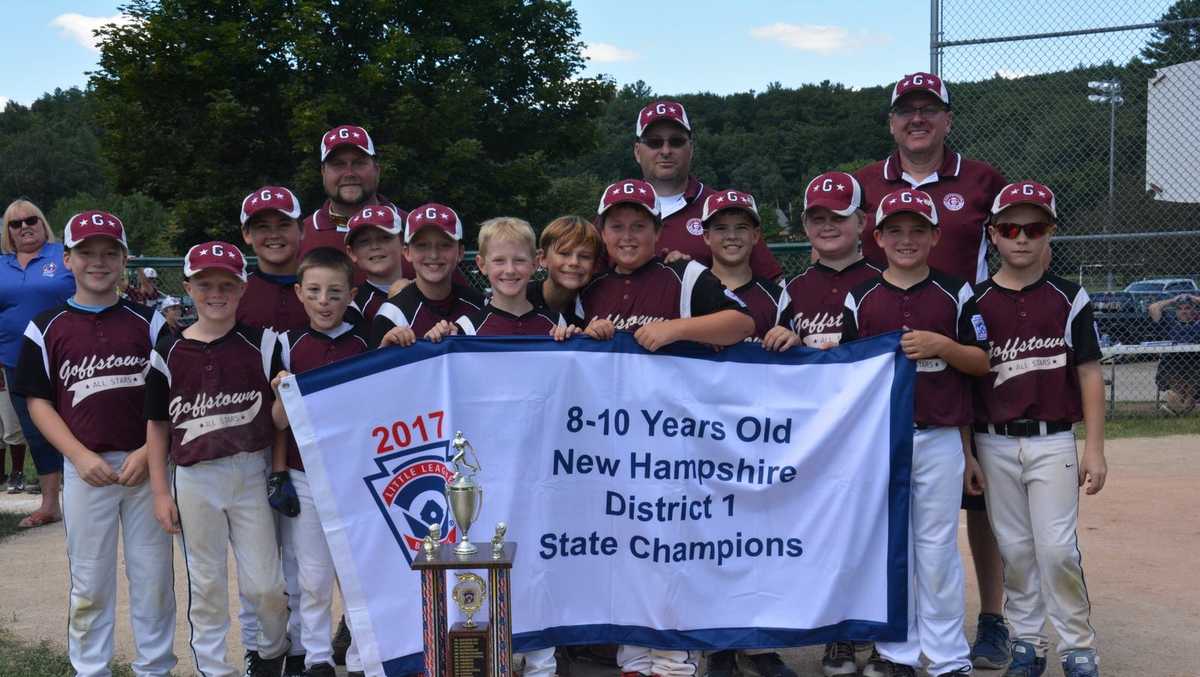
<point>686,499</point>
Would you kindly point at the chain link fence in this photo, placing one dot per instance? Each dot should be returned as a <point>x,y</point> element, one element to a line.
<point>1099,100</point>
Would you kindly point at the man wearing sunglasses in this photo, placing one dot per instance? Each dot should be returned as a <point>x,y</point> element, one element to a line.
<point>920,119</point>
<point>663,149</point>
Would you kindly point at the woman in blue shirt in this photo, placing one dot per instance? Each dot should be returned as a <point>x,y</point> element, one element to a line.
<point>33,278</point>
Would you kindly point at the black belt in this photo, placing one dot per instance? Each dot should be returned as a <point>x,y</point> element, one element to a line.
<point>1023,428</point>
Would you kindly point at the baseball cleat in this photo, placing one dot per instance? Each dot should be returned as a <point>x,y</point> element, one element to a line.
<point>1025,661</point>
<point>839,659</point>
<point>991,648</point>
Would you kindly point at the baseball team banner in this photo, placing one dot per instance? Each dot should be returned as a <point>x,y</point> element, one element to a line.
<point>689,499</point>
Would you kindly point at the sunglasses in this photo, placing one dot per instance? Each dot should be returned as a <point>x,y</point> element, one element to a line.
<point>654,143</point>
<point>907,112</point>
<point>27,221</point>
<point>1033,231</point>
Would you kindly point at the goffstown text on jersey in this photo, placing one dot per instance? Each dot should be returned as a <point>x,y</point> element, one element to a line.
<point>1013,347</point>
<point>201,403</point>
<point>88,367</point>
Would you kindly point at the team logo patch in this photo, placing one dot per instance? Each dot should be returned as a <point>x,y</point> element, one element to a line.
<point>980,327</point>
<point>410,491</point>
<point>49,269</point>
<point>954,201</point>
<point>695,227</point>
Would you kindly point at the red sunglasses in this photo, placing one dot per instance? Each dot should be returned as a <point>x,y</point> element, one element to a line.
<point>1033,231</point>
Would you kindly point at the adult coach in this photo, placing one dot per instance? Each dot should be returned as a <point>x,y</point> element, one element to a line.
<point>963,189</point>
<point>663,149</point>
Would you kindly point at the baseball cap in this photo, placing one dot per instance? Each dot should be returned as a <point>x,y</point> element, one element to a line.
<point>921,82</point>
<point>215,255</point>
<point>94,223</point>
<point>908,200</point>
<point>838,192</point>
<point>344,135</point>
<point>630,191</point>
<point>1025,193</point>
<point>169,301</point>
<point>729,199</point>
<point>433,215</point>
<point>149,273</point>
<point>383,217</point>
<point>270,198</point>
<point>662,110</point>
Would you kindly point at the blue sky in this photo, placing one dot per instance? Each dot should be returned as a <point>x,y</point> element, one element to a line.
<point>679,47</point>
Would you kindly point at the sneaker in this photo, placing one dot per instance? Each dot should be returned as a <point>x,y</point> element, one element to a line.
<point>722,664</point>
<point>268,667</point>
<point>293,666</point>
<point>839,659</point>
<point>16,483</point>
<point>250,660</point>
<point>771,665</point>
<point>966,670</point>
<point>341,642</point>
<point>991,648</point>
<point>322,670</point>
<point>1081,663</point>
<point>1025,661</point>
<point>878,666</point>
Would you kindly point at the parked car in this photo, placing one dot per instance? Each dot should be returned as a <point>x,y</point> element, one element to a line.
<point>1122,315</point>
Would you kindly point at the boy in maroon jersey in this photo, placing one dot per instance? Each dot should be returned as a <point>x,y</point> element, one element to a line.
<point>375,246</point>
<point>1045,376</point>
<point>208,406</point>
<point>659,302</point>
<point>944,335</point>
<point>568,250</point>
<point>81,369</point>
<point>325,287</point>
<point>271,227</point>
<point>433,245</point>
<point>732,228</point>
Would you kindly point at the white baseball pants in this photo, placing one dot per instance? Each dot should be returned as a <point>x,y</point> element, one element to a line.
<point>248,615</point>
<point>10,425</point>
<point>223,502</point>
<point>936,605</point>
<point>92,516</point>
<point>539,663</point>
<point>1033,504</point>
<point>664,662</point>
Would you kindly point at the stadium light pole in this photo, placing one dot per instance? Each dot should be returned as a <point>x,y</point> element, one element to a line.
<point>1109,92</point>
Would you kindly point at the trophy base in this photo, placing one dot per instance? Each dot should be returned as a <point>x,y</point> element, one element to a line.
<point>466,548</point>
<point>468,651</point>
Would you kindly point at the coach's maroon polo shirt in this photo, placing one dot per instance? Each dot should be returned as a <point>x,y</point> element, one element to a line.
<point>762,299</point>
<point>813,301</point>
<point>411,308</point>
<point>938,303</point>
<point>215,396</point>
<point>90,366</point>
<point>270,302</point>
<point>1038,336</point>
<point>656,291</point>
<point>492,321</point>
<point>306,349</point>
<point>962,191</point>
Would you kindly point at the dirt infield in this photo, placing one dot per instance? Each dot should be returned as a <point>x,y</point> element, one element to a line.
<point>1140,537</point>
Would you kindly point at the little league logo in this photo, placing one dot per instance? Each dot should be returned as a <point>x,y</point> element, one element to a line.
<point>695,227</point>
<point>954,201</point>
<point>410,490</point>
<point>49,269</point>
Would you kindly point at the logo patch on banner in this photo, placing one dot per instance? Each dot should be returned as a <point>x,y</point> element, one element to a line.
<point>954,201</point>
<point>695,227</point>
<point>410,491</point>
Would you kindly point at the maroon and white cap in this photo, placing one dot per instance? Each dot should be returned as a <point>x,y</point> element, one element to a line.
<point>215,255</point>
<point>630,191</point>
<point>729,199</point>
<point>270,198</point>
<point>383,217</point>
<point>662,110</point>
<point>921,82</point>
<point>433,215</point>
<point>346,135</point>
<point>1025,193</point>
<point>908,200</point>
<point>94,223</point>
<point>838,192</point>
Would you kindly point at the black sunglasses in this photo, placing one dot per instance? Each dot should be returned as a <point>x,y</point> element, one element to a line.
<point>654,142</point>
<point>27,221</point>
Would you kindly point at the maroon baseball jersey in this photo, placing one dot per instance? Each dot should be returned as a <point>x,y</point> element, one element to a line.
<point>938,303</point>
<point>1037,336</point>
<point>537,296</point>
<point>656,291</point>
<point>491,321</point>
<point>270,302</point>
<point>361,312</point>
<point>91,366</point>
<point>762,299</point>
<point>962,191</point>
<point>306,349</point>
<point>682,231</point>
<point>411,308</point>
<point>813,301</point>
<point>215,396</point>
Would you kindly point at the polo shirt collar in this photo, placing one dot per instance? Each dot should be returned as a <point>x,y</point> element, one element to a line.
<point>950,167</point>
<point>324,218</point>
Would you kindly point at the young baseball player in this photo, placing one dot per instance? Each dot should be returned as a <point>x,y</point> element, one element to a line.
<point>208,407</point>
<point>944,335</point>
<point>433,245</point>
<point>1045,376</point>
<point>326,279</point>
<point>568,250</point>
<point>731,230</point>
<point>375,244</point>
<point>81,369</point>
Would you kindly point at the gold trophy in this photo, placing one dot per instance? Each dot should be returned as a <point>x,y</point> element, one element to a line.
<point>463,494</point>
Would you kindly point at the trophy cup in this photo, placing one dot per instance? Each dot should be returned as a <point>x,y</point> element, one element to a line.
<point>463,494</point>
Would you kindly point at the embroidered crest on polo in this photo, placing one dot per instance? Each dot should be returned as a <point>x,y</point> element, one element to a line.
<point>1025,192</point>
<point>346,135</point>
<point>662,110</point>
<point>270,198</point>
<point>93,223</point>
<point>838,192</point>
<point>954,201</point>
<point>629,191</point>
<point>433,215</point>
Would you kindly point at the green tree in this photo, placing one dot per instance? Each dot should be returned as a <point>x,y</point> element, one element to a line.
<point>1178,42</point>
<point>148,224</point>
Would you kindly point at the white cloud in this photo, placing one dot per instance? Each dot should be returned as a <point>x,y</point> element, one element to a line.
<point>811,38</point>
<point>80,29</point>
<point>1011,74</point>
<point>3,102</point>
<point>602,52</point>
